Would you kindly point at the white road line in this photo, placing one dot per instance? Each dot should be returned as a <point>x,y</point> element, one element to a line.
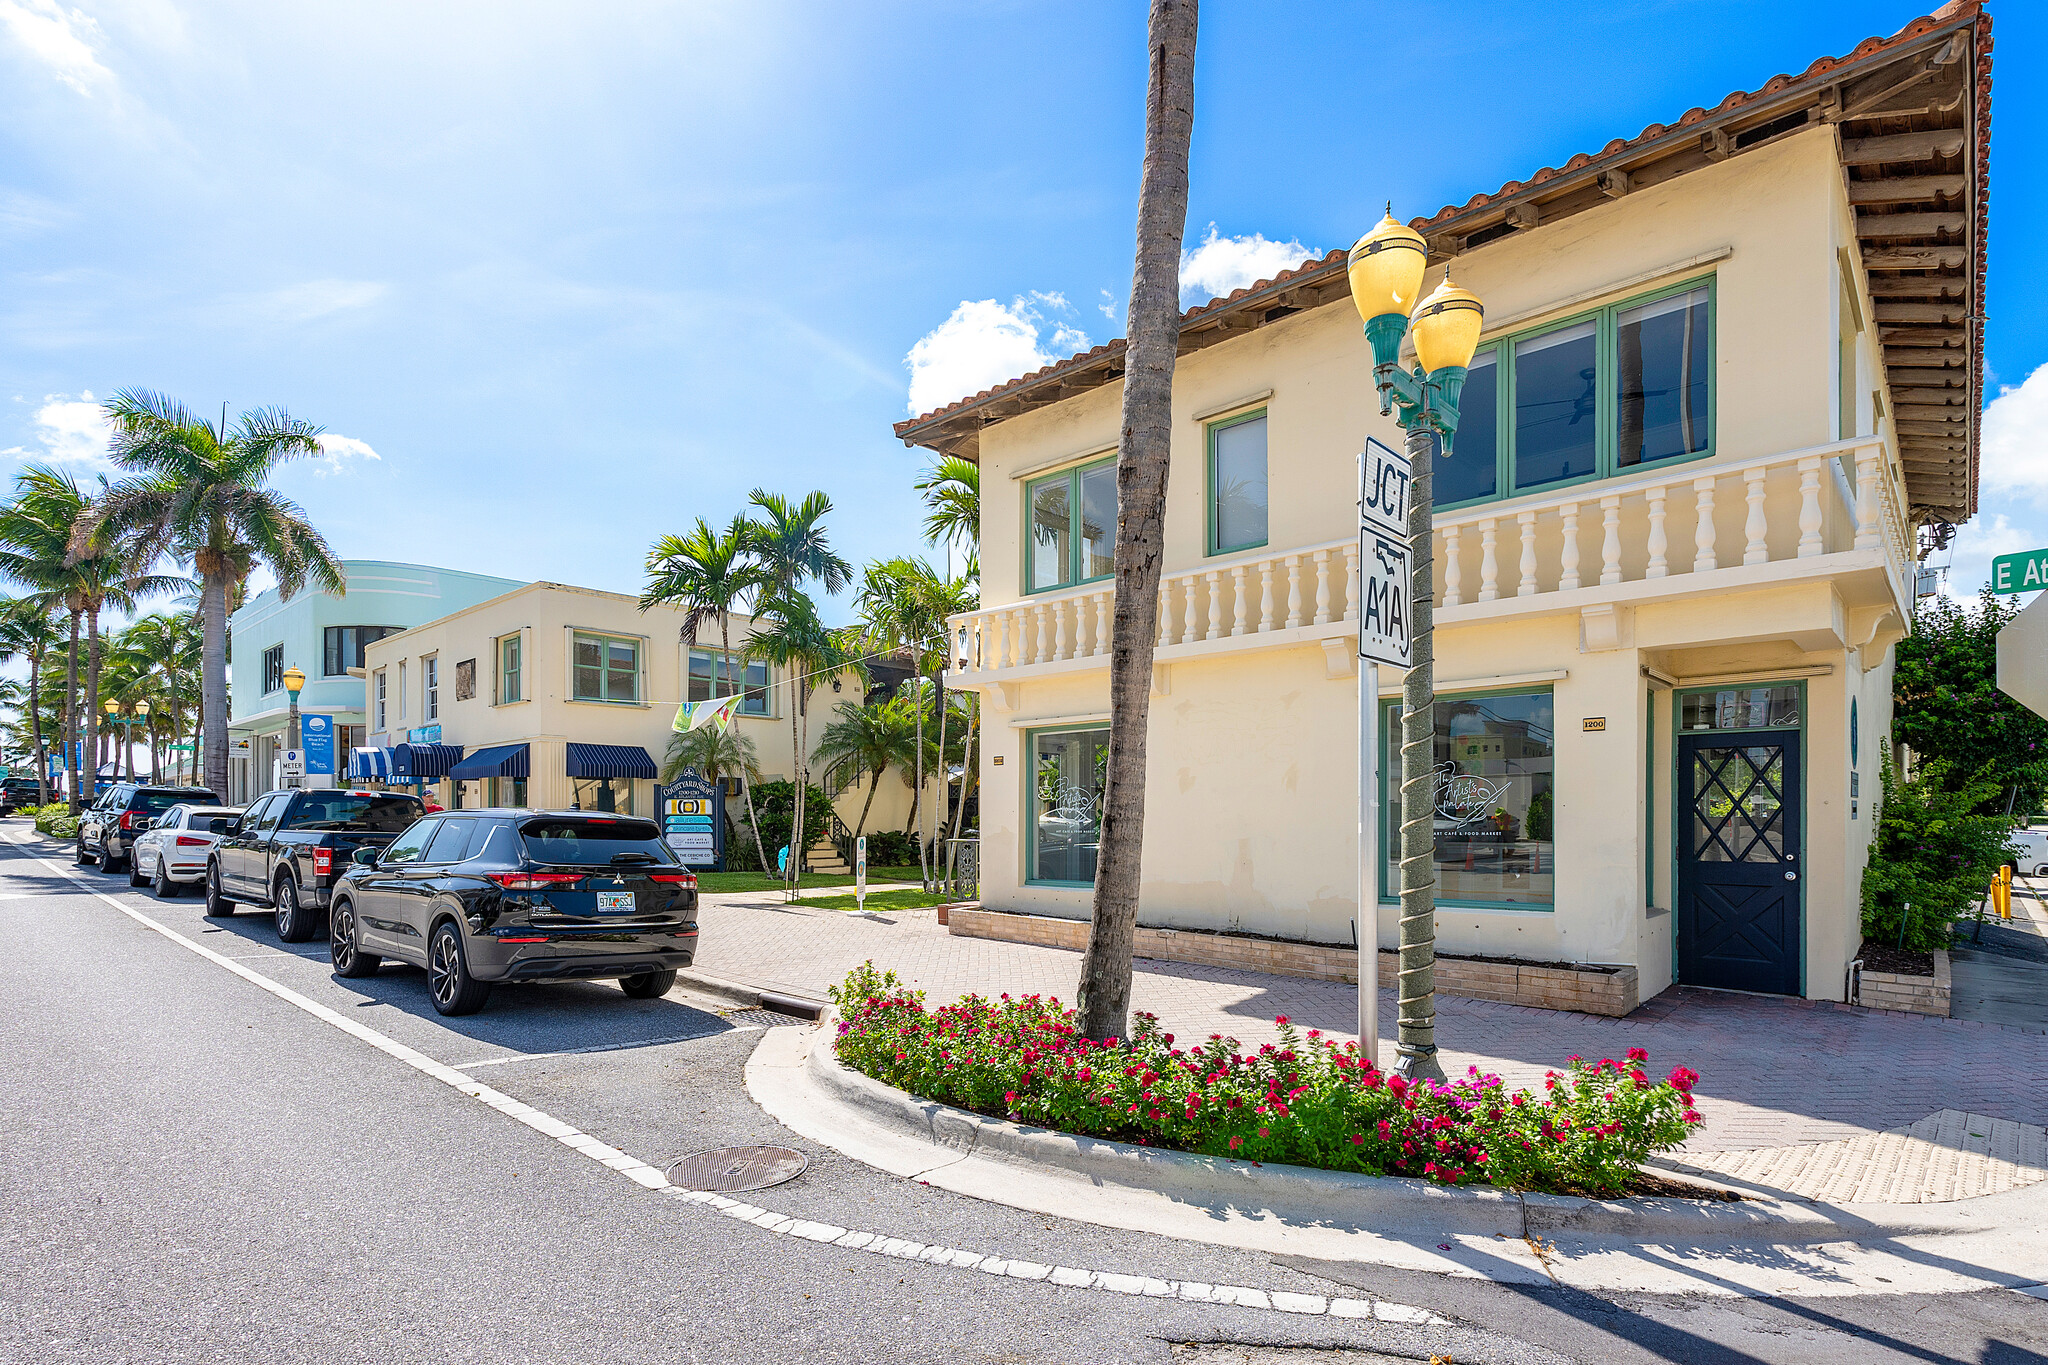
<point>604,1047</point>
<point>640,1173</point>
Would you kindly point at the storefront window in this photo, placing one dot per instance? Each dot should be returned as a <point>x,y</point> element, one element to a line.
<point>1496,810</point>
<point>508,791</point>
<point>605,794</point>
<point>1067,772</point>
<point>1741,708</point>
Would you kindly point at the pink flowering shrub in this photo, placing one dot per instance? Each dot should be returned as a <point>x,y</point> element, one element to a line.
<point>1308,1101</point>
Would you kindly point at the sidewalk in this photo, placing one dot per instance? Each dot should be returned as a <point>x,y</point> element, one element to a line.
<point>1775,1073</point>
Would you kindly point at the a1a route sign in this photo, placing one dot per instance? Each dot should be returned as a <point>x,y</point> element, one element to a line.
<point>1383,555</point>
<point>2020,573</point>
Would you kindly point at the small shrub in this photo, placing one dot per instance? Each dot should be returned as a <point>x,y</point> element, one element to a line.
<point>891,848</point>
<point>772,804</point>
<point>1307,1101</point>
<point>1936,850</point>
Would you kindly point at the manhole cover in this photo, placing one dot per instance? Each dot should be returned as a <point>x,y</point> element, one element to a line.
<point>730,1170</point>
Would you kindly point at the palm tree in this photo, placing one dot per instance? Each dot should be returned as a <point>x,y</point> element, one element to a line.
<point>1104,996</point>
<point>27,630</point>
<point>168,643</point>
<point>197,492</point>
<point>708,573</point>
<point>788,635</point>
<point>789,543</point>
<point>870,735</point>
<point>952,492</point>
<point>717,753</point>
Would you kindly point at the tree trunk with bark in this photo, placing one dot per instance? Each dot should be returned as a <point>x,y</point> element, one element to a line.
<point>35,721</point>
<point>1141,471</point>
<point>213,687</point>
<point>71,753</point>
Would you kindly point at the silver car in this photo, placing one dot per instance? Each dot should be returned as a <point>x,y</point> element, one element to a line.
<point>171,853</point>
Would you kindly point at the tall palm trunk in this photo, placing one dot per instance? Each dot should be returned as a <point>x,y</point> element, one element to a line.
<point>213,688</point>
<point>71,754</point>
<point>967,761</point>
<point>93,733</point>
<point>792,866</point>
<point>874,783</point>
<point>924,872</point>
<point>746,783</point>
<point>1141,469</point>
<point>945,786</point>
<point>35,721</point>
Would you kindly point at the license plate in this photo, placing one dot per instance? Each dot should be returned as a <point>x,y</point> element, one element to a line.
<point>614,902</point>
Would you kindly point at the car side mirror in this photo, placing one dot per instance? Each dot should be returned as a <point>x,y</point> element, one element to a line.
<point>364,857</point>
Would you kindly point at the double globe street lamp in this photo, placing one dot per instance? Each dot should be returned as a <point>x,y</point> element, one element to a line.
<point>294,683</point>
<point>114,717</point>
<point>1386,270</point>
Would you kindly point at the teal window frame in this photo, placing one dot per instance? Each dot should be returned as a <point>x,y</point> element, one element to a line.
<point>1210,431</point>
<point>1071,476</point>
<point>1030,776</point>
<point>605,641</point>
<point>1390,833</point>
<point>1607,394</point>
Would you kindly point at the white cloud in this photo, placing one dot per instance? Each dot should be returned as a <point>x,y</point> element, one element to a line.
<point>336,451</point>
<point>1221,264</point>
<point>2014,442</point>
<point>71,430</point>
<point>1108,308</point>
<point>62,40</point>
<point>987,343</point>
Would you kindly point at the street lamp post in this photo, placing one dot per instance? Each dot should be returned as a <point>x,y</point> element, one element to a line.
<point>1386,269</point>
<point>294,682</point>
<point>142,719</point>
<point>114,717</point>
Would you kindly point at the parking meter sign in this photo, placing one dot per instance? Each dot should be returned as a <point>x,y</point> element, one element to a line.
<point>860,873</point>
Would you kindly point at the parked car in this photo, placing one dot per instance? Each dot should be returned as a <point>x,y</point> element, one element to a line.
<point>107,829</point>
<point>289,847</point>
<point>2033,856</point>
<point>479,897</point>
<point>16,792</point>
<point>172,852</point>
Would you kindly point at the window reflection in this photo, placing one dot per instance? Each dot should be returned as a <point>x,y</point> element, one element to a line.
<point>1555,408</point>
<point>1661,352</point>
<point>1068,769</point>
<point>1468,472</point>
<point>1496,808</point>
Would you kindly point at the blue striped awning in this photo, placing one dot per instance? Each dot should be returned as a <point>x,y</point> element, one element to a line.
<point>369,765</point>
<point>424,762</point>
<point>504,760</point>
<point>609,760</point>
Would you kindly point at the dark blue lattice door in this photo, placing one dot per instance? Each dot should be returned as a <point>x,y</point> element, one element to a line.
<point>1739,861</point>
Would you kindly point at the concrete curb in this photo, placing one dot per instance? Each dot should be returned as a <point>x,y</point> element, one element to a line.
<point>1400,1203</point>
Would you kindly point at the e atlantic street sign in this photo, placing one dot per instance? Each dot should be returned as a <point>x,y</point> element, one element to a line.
<point>2026,572</point>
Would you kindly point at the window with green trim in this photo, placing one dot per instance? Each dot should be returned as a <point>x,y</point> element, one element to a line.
<point>1495,763</point>
<point>1237,483</point>
<point>1071,535</point>
<point>1587,397</point>
<point>607,668</point>
<point>1068,775</point>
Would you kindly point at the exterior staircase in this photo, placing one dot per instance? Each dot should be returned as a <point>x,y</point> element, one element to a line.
<point>824,858</point>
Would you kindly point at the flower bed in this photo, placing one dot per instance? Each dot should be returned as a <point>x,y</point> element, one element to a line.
<point>1308,1101</point>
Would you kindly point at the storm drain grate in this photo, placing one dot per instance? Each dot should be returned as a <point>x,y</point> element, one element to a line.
<point>762,1018</point>
<point>731,1170</point>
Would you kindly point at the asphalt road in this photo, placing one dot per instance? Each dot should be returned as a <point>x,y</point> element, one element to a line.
<point>200,1170</point>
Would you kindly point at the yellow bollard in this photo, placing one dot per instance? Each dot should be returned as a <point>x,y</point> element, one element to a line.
<point>2001,893</point>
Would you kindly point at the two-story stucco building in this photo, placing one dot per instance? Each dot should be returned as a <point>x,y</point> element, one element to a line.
<point>323,636</point>
<point>1728,369</point>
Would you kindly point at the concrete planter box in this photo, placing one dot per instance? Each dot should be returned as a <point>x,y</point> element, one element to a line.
<point>1611,991</point>
<point>1907,994</point>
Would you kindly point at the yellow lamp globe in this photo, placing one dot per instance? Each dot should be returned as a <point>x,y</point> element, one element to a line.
<point>1446,327</point>
<point>1386,269</point>
<point>294,680</point>
<point>142,708</point>
<point>111,707</point>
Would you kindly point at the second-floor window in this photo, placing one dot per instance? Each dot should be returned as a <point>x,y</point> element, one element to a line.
<point>606,668</point>
<point>1072,533</point>
<point>402,710</point>
<point>1621,387</point>
<point>510,673</point>
<point>1237,483</point>
<point>343,646</point>
<point>273,669</point>
<point>383,699</point>
<point>717,674</point>
<point>430,683</point>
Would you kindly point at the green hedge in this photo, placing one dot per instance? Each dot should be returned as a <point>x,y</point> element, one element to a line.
<point>1935,851</point>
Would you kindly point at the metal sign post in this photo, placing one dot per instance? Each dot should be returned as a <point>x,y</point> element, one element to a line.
<point>860,874</point>
<point>1383,475</point>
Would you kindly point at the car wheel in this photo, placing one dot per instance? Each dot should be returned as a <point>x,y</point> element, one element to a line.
<point>109,860</point>
<point>348,959</point>
<point>161,885</point>
<point>135,877</point>
<point>648,985</point>
<point>84,858</point>
<point>454,990</point>
<point>294,922</point>
<point>217,905</point>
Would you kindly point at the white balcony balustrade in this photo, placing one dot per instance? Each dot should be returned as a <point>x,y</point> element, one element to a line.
<point>1718,523</point>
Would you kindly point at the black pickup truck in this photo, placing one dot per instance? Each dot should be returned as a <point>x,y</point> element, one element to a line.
<point>289,846</point>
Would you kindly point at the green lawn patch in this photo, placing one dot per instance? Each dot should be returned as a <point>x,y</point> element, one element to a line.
<point>909,898</point>
<point>762,881</point>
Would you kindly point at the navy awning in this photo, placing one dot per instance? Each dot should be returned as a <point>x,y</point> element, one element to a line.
<point>369,765</point>
<point>424,762</point>
<point>504,760</point>
<point>609,760</point>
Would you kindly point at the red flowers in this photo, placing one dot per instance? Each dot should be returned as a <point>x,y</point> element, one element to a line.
<point>1636,1054</point>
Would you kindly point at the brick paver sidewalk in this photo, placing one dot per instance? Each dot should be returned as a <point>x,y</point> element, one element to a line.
<point>1774,1072</point>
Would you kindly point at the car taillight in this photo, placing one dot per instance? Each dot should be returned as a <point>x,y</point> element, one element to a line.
<point>323,862</point>
<point>688,879</point>
<point>188,841</point>
<point>541,939</point>
<point>127,819</point>
<point>532,881</point>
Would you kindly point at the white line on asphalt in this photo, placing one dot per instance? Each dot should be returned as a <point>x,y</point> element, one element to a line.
<point>640,1173</point>
<point>604,1047</point>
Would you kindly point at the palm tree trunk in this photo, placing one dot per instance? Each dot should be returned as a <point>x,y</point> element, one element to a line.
<point>746,782</point>
<point>874,781</point>
<point>794,861</point>
<point>924,871</point>
<point>93,734</point>
<point>35,722</point>
<point>945,786</point>
<point>213,688</point>
<point>966,761</point>
<point>1141,468</point>
<point>71,754</point>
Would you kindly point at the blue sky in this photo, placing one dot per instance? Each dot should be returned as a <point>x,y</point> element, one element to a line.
<point>561,277</point>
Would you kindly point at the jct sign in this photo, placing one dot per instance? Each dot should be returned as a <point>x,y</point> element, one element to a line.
<point>1383,556</point>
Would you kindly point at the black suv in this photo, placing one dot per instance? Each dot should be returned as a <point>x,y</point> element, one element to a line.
<point>107,828</point>
<point>16,792</point>
<point>478,897</point>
